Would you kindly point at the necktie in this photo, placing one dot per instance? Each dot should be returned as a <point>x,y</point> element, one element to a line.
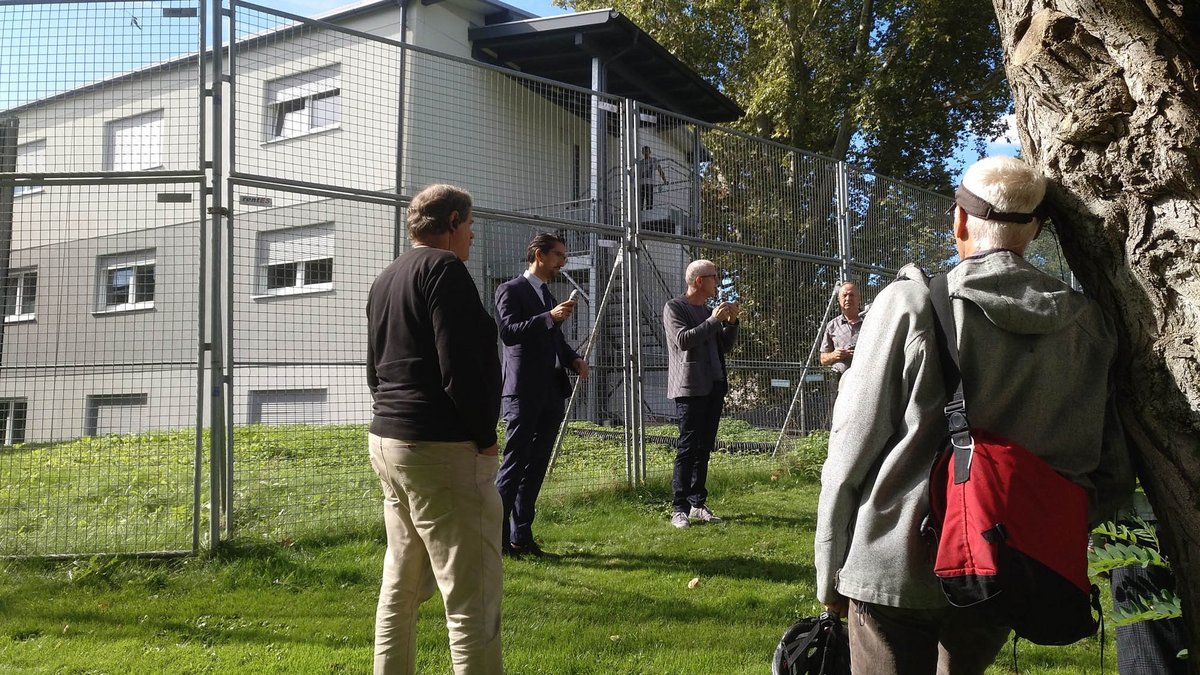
<point>549,300</point>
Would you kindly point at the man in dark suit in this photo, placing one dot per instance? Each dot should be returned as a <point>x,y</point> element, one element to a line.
<point>697,340</point>
<point>535,385</point>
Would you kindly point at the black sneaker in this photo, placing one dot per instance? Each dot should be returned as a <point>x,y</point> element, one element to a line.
<point>530,549</point>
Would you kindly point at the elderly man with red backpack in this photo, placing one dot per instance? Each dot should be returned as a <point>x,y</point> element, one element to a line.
<point>1035,360</point>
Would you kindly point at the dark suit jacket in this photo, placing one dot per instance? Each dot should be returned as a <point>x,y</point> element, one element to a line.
<point>531,340</point>
<point>689,370</point>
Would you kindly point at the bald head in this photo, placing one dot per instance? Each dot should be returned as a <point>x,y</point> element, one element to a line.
<point>697,269</point>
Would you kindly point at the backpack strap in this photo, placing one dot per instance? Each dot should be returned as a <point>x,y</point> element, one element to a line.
<point>956,410</point>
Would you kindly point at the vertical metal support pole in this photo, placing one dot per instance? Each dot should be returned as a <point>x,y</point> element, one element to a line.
<point>401,111</point>
<point>634,298</point>
<point>217,354</point>
<point>599,131</point>
<point>843,218</point>
<point>603,212</point>
<point>8,163</point>
<point>231,149</point>
<point>201,276</point>
<point>694,215</point>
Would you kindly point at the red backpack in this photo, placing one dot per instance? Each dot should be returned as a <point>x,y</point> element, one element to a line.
<point>1011,534</point>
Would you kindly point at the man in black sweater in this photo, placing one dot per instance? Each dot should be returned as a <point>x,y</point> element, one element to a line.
<point>434,374</point>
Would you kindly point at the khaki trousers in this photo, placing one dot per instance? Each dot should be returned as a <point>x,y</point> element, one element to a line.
<point>442,514</point>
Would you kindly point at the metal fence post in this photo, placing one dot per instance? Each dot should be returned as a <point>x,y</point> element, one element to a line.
<point>202,279</point>
<point>843,218</point>
<point>229,259</point>
<point>634,298</point>
<point>217,210</point>
<point>629,291</point>
<point>8,163</point>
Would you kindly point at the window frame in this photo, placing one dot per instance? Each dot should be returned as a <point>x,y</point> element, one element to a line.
<point>20,276</point>
<point>8,420</point>
<point>94,403</point>
<point>316,236</point>
<point>154,157</point>
<point>133,261</point>
<point>312,402</point>
<point>295,95</point>
<point>39,166</point>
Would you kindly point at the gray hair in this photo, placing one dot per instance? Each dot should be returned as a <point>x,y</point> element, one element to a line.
<point>696,269</point>
<point>429,212</point>
<point>1008,184</point>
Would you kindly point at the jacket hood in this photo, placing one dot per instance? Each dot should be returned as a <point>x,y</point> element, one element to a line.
<point>1016,296</point>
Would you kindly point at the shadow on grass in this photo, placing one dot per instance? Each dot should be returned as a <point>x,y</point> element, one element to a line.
<point>730,566</point>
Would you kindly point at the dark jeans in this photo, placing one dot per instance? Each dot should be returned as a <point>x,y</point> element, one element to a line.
<point>698,420</point>
<point>532,425</point>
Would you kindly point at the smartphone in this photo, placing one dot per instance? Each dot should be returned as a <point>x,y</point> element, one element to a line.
<point>574,295</point>
<point>726,292</point>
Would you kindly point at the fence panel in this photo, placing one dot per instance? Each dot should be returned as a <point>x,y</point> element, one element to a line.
<point>99,379</point>
<point>893,224</point>
<point>302,266</point>
<point>314,104</point>
<point>767,216</point>
<point>386,120</point>
<point>99,87</point>
<point>100,218</point>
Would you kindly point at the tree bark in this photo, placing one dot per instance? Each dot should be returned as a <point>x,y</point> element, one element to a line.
<point>1107,99</point>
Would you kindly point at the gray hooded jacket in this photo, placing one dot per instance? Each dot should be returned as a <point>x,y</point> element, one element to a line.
<point>1035,360</point>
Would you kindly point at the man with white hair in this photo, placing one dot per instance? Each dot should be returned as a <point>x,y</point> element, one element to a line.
<point>697,340</point>
<point>1035,361</point>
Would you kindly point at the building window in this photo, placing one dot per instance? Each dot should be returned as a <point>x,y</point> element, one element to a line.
<point>304,103</point>
<point>13,413</point>
<point>20,296</point>
<point>125,282</point>
<point>31,158</point>
<point>295,260</point>
<point>289,406</point>
<point>116,414</point>
<point>134,143</point>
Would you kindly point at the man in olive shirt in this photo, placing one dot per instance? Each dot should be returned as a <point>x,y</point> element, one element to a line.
<point>434,375</point>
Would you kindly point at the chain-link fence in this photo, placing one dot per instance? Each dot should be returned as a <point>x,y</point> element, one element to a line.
<point>188,236</point>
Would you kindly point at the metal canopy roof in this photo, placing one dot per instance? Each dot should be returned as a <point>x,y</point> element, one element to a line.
<point>561,48</point>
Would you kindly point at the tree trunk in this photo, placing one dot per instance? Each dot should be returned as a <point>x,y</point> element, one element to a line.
<point>1108,104</point>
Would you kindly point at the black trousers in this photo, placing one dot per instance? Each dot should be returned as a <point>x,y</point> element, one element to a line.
<point>532,426</point>
<point>698,420</point>
<point>646,196</point>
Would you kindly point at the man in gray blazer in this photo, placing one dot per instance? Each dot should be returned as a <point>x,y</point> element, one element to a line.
<point>697,340</point>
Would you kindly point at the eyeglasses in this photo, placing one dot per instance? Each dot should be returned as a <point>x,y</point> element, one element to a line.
<point>707,276</point>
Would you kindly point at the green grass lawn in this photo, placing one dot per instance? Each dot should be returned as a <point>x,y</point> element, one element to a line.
<point>615,600</point>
